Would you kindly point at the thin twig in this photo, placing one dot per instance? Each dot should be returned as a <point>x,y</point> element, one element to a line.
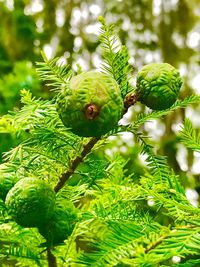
<point>161,238</point>
<point>158,242</point>
<point>74,164</point>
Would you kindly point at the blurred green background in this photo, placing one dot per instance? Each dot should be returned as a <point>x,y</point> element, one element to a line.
<point>154,31</point>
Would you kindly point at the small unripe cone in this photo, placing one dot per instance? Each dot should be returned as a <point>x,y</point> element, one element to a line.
<point>158,85</point>
<point>92,104</point>
<point>30,202</point>
<point>61,224</point>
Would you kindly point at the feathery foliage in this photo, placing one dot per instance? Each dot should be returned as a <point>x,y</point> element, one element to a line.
<point>115,56</point>
<point>124,218</point>
<point>145,117</point>
<point>54,73</point>
<point>189,136</point>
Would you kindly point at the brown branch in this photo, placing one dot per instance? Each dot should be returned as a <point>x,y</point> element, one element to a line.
<point>51,258</point>
<point>74,164</point>
<point>129,100</point>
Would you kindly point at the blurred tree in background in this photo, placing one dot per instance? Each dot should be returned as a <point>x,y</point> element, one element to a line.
<point>159,30</point>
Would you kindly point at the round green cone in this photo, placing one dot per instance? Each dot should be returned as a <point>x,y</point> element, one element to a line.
<point>158,85</point>
<point>61,224</point>
<point>30,202</point>
<point>91,105</point>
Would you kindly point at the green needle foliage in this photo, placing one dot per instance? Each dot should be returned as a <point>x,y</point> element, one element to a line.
<point>116,57</point>
<point>189,136</point>
<point>121,221</point>
<point>54,73</point>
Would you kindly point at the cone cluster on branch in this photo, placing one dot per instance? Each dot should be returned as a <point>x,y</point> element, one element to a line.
<point>90,106</point>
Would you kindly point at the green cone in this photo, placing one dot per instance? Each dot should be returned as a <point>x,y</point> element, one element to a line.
<point>30,202</point>
<point>61,224</point>
<point>92,104</point>
<point>158,85</point>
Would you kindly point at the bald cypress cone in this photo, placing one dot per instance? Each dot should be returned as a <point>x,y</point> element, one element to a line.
<point>92,104</point>
<point>30,202</point>
<point>62,223</point>
<point>158,85</point>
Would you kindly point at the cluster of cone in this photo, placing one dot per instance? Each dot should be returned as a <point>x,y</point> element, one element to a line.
<point>92,104</point>
<point>32,203</point>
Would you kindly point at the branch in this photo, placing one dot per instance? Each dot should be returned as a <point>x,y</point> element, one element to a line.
<point>74,164</point>
<point>51,258</point>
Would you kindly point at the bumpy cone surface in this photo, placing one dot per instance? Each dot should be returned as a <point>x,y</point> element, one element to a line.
<point>30,202</point>
<point>61,224</point>
<point>91,105</point>
<point>6,183</point>
<point>158,85</point>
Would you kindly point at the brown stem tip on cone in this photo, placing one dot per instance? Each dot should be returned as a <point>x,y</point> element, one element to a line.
<point>91,111</point>
<point>130,100</point>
